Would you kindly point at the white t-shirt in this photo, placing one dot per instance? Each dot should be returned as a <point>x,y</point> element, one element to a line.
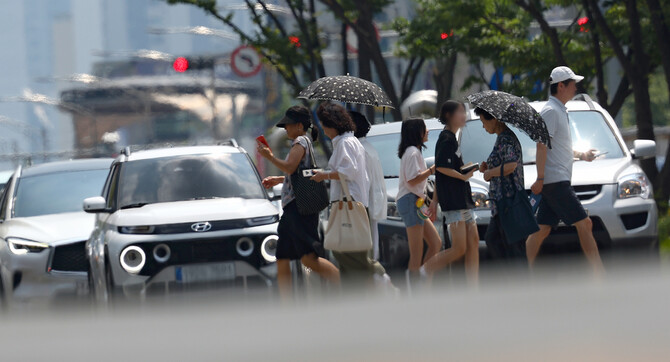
<point>412,164</point>
<point>560,156</point>
<point>348,159</point>
<point>378,198</point>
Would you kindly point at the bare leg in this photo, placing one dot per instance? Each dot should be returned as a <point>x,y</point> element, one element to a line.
<point>432,238</point>
<point>323,267</point>
<point>457,250</point>
<point>534,242</point>
<point>472,254</point>
<point>284,281</point>
<point>415,240</point>
<point>589,246</point>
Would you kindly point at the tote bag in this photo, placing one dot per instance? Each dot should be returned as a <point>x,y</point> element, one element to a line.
<point>310,196</point>
<point>348,225</point>
<point>516,215</point>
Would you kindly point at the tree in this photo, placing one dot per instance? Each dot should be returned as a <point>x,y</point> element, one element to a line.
<point>637,64</point>
<point>358,15</point>
<point>662,30</point>
<point>294,52</point>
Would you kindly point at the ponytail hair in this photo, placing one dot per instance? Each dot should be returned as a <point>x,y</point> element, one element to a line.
<point>314,131</point>
<point>447,110</point>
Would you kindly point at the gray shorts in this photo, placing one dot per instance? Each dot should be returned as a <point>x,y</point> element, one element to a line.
<point>466,215</point>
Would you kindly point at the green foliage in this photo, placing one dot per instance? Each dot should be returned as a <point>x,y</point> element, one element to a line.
<point>495,32</point>
<point>658,92</point>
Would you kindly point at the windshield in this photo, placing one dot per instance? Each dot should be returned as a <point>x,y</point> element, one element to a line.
<point>589,131</point>
<point>56,193</point>
<point>190,177</point>
<point>387,147</point>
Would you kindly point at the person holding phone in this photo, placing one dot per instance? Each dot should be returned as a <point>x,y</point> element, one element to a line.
<point>414,175</point>
<point>454,195</point>
<point>297,233</point>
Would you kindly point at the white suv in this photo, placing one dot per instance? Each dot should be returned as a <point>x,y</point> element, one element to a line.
<point>174,217</point>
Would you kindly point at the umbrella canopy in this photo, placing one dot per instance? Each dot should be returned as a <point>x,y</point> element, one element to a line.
<point>513,110</point>
<point>347,89</point>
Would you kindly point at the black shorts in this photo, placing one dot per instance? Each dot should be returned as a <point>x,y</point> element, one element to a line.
<point>297,233</point>
<point>559,202</point>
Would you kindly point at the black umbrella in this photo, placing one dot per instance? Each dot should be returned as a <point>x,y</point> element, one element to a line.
<point>347,89</point>
<point>513,110</point>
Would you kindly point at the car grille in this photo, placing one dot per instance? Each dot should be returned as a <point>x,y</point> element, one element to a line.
<point>201,251</point>
<point>70,258</point>
<point>584,192</point>
<point>587,192</point>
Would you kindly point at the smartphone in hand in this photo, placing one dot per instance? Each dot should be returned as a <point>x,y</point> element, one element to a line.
<point>310,173</point>
<point>262,140</point>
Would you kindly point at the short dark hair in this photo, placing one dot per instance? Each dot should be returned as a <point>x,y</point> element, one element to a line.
<point>335,116</point>
<point>411,134</point>
<point>448,108</point>
<point>362,124</point>
<point>553,88</point>
<point>481,112</point>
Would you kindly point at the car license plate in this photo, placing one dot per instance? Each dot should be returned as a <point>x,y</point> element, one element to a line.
<point>205,273</point>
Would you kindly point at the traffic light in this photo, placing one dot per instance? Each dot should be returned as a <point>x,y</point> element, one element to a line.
<point>582,24</point>
<point>295,41</point>
<point>183,64</point>
<point>444,36</point>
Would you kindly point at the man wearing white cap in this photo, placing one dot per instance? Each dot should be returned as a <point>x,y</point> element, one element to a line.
<point>554,172</point>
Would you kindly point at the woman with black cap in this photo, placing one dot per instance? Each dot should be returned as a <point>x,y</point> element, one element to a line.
<point>297,233</point>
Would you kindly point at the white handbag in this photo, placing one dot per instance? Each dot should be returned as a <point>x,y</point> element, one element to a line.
<point>348,225</point>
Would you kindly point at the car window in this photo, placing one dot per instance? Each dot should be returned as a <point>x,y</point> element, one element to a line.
<point>3,200</point>
<point>387,147</point>
<point>589,130</point>
<point>56,193</point>
<point>189,177</point>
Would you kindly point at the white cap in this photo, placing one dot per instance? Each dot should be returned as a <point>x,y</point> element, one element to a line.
<point>563,73</point>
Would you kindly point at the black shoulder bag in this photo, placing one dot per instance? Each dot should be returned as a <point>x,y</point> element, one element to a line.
<point>516,214</point>
<point>311,197</point>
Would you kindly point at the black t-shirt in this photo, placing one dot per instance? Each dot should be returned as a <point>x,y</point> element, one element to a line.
<point>453,194</point>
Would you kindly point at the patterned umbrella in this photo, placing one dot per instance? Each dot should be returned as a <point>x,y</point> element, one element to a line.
<point>347,89</point>
<point>513,110</point>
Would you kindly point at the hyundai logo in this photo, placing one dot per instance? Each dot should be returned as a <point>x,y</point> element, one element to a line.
<point>201,227</point>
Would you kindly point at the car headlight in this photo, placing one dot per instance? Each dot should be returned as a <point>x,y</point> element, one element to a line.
<point>481,198</point>
<point>20,246</point>
<point>392,210</point>
<point>634,185</point>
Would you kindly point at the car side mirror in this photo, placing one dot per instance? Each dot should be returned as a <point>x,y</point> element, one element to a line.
<point>643,149</point>
<point>275,193</point>
<point>95,204</point>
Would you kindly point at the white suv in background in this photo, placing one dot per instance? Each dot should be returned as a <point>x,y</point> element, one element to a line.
<point>177,217</point>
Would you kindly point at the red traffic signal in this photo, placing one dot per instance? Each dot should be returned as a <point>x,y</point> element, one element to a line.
<point>444,36</point>
<point>582,22</point>
<point>295,41</point>
<point>180,64</point>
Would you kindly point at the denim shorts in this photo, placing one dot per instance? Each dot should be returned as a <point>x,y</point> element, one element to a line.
<point>453,216</point>
<point>408,210</point>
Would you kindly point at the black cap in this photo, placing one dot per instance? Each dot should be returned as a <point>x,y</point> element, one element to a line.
<point>296,114</point>
<point>362,124</point>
